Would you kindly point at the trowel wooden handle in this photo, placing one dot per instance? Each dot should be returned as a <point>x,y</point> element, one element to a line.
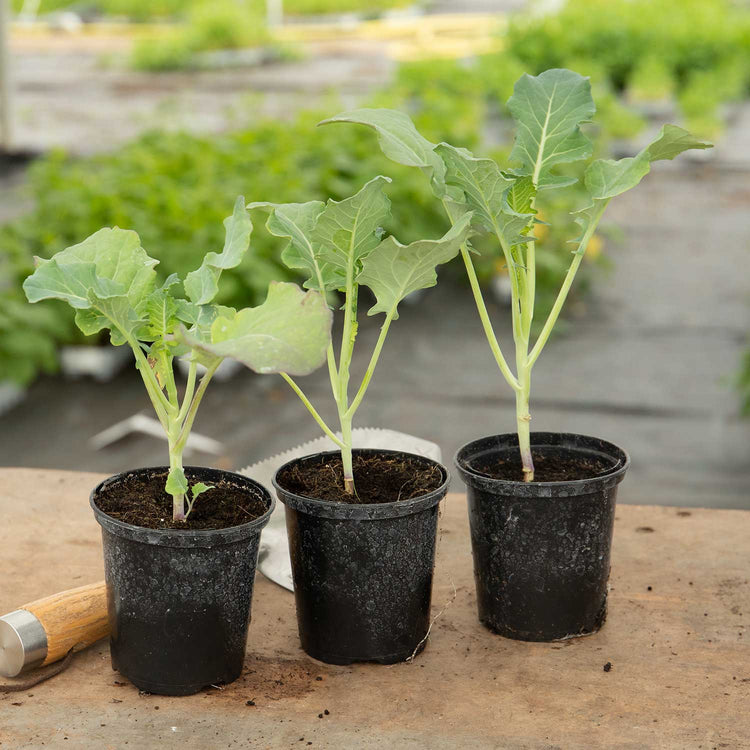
<point>74,618</point>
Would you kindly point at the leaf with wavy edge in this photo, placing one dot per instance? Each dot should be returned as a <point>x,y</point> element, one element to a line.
<point>392,270</point>
<point>289,332</point>
<point>202,285</point>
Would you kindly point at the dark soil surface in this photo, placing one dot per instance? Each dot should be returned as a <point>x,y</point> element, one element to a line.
<point>377,479</point>
<point>549,466</point>
<point>142,501</point>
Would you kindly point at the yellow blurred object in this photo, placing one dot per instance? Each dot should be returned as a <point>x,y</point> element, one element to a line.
<point>540,230</point>
<point>448,35</point>
<point>594,250</point>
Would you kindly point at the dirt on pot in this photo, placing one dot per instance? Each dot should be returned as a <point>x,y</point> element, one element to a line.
<point>142,501</point>
<point>378,479</point>
<point>549,466</point>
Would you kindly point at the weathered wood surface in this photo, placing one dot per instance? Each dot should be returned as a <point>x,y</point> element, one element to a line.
<point>676,638</point>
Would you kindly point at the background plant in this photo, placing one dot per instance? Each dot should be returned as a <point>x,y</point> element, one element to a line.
<point>209,25</point>
<point>548,110</point>
<point>111,283</point>
<point>694,50</point>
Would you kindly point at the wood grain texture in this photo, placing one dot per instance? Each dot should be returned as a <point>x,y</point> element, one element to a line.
<point>676,638</point>
<point>72,619</point>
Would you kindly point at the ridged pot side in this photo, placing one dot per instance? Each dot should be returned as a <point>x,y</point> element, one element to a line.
<point>179,600</point>
<point>362,572</point>
<point>542,549</point>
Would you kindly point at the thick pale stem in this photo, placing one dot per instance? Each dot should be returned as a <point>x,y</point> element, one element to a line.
<point>189,390</point>
<point>187,425</point>
<point>346,454</point>
<point>523,421</point>
<point>175,462</point>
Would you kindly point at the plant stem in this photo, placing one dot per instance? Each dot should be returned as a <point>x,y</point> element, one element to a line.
<point>373,363</point>
<point>565,288</point>
<point>346,454</point>
<point>523,418</point>
<point>326,429</point>
<point>486,323</point>
<point>348,336</point>
<point>189,390</point>
<point>175,462</point>
<point>187,424</point>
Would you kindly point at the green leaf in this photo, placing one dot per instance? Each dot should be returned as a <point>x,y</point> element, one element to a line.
<point>548,110</point>
<point>199,318</point>
<point>399,140</point>
<point>393,270</point>
<point>347,231</point>
<point>486,191</point>
<point>606,178</point>
<point>296,222</point>
<point>176,482</point>
<point>199,488</point>
<point>161,312</point>
<point>201,286</point>
<point>289,332</point>
<point>107,278</point>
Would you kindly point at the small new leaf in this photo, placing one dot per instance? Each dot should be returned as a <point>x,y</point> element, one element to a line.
<point>176,482</point>
<point>199,488</point>
<point>393,270</point>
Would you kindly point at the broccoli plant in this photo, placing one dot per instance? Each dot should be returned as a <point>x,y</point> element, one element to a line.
<point>112,284</point>
<point>340,246</point>
<point>548,111</point>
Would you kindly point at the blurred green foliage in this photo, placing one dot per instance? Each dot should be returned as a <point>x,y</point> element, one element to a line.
<point>695,50</point>
<point>154,10</point>
<point>210,25</point>
<point>175,188</point>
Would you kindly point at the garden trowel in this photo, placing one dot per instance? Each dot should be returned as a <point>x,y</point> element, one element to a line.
<point>46,630</point>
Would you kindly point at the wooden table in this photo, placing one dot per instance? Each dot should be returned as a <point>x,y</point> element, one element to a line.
<point>676,638</point>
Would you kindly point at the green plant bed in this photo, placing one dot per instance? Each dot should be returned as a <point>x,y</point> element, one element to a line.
<point>174,187</point>
<point>694,52</point>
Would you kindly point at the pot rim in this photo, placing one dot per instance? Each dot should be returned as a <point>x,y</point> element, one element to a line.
<point>183,537</point>
<point>569,487</point>
<point>361,511</point>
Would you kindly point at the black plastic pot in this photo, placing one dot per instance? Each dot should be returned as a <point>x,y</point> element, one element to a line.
<point>179,601</point>
<point>362,573</point>
<point>541,549</point>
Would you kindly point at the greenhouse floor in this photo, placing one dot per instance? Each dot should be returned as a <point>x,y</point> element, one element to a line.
<point>669,669</point>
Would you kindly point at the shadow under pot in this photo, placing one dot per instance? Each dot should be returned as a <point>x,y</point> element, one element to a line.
<point>362,571</point>
<point>542,549</point>
<point>179,600</point>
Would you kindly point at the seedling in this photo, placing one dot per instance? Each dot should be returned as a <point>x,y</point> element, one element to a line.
<point>548,110</point>
<point>111,282</point>
<point>340,246</point>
